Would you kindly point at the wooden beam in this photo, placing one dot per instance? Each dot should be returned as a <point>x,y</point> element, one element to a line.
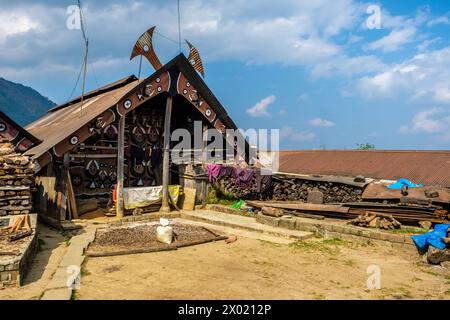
<point>63,189</point>
<point>120,167</point>
<point>166,159</point>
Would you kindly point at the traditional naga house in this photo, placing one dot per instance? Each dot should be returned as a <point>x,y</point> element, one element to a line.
<point>118,134</point>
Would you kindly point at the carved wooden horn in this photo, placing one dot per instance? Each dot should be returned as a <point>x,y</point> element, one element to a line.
<point>144,47</point>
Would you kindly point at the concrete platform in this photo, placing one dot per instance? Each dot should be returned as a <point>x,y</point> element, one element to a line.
<point>244,224</point>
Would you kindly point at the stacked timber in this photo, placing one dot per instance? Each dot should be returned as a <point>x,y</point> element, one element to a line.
<point>16,181</point>
<point>298,190</point>
<point>405,214</point>
<point>376,220</point>
<point>229,187</point>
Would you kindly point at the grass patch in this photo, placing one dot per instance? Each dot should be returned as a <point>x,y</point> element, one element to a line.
<point>83,270</point>
<point>74,296</point>
<point>325,245</point>
<point>408,230</point>
<point>216,197</point>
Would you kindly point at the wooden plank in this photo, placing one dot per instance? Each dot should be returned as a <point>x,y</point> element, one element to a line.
<point>62,200</point>
<point>166,158</point>
<point>120,167</point>
<point>300,206</point>
<point>72,200</point>
<point>189,199</point>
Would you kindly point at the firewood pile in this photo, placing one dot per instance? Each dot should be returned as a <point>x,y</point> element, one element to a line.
<point>376,220</point>
<point>16,181</point>
<point>228,186</point>
<point>295,190</point>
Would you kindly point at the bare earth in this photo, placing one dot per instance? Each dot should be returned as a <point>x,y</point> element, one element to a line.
<point>252,269</point>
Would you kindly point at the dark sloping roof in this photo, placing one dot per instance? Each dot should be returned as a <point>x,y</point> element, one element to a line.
<point>109,87</point>
<point>62,122</point>
<point>426,167</point>
<point>18,127</point>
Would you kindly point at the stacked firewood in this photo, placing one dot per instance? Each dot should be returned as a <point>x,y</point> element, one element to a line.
<point>16,181</point>
<point>376,220</point>
<point>229,187</point>
<point>295,190</point>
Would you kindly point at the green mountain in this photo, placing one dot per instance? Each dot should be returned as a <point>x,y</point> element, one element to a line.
<point>22,104</point>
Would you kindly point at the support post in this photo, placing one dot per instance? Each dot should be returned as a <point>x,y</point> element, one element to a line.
<point>204,165</point>
<point>166,160</point>
<point>120,167</point>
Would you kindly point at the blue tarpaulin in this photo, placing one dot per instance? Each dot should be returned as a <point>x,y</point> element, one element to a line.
<point>402,182</point>
<point>433,238</point>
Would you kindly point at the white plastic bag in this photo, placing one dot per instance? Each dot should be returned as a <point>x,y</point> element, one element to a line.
<point>164,232</point>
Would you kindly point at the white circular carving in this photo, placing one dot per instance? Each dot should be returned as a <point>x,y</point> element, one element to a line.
<point>158,80</point>
<point>208,112</point>
<point>185,91</point>
<point>74,140</point>
<point>2,127</point>
<point>188,84</point>
<point>159,89</point>
<point>127,104</point>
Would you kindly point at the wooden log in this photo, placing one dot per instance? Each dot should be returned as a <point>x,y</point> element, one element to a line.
<point>120,208</point>
<point>436,256</point>
<point>166,157</point>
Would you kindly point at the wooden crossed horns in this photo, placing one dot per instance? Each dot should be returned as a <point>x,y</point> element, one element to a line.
<point>144,47</point>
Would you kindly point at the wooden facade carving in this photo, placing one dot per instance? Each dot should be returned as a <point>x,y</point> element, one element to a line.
<point>148,89</point>
<point>14,134</point>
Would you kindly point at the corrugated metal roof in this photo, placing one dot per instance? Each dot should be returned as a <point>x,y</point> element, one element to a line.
<point>61,123</point>
<point>426,167</point>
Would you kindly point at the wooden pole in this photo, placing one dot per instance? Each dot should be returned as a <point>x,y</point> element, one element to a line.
<point>204,165</point>
<point>120,167</point>
<point>166,160</point>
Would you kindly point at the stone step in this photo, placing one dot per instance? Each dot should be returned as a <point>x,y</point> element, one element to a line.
<point>228,231</point>
<point>243,223</point>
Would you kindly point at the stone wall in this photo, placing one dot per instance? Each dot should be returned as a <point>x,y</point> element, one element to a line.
<point>16,181</point>
<point>14,268</point>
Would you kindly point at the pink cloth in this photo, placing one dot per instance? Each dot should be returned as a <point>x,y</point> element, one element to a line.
<point>213,172</point>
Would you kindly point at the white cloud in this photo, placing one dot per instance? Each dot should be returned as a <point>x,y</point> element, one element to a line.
<point>260,109</point>
<point>15,23</point>
<point>431,121</point>
<point>425,76</point>
<point>294,135</point>
<point>318,122</point>
<point>437,21</point>
<point>394,40</point>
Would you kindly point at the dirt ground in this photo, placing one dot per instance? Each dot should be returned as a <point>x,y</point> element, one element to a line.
<point>52,246</point>
<point>253,269</point>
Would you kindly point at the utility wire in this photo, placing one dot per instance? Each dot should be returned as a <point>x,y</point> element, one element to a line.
<point>179,26</point>
<point>86,55</point>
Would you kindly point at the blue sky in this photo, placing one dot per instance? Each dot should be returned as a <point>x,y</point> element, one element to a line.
<point>310,68</point>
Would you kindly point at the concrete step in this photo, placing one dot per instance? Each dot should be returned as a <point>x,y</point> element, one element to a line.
<point>243,223</point>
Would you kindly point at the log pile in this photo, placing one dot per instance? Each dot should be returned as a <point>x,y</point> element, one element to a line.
<point>292,190</point>
<point>16,181</point>
<point>375,220</point>
<point>297,190</point>
<point>229,187</point>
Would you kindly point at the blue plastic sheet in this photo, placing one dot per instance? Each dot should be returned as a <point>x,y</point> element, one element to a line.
<point>433,238</point>
<point>402,182</point>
